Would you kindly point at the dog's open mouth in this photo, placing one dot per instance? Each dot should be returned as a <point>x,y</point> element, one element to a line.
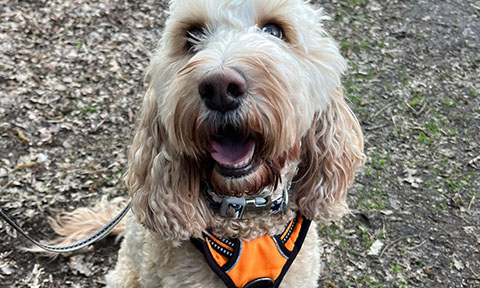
<point>234,154</point>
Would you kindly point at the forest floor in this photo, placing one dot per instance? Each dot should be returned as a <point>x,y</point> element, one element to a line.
<point>71,81</point>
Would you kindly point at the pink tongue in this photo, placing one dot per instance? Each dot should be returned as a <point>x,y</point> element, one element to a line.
<point>231,151</point>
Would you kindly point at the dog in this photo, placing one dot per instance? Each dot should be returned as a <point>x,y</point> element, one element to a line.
<point>244,103</point>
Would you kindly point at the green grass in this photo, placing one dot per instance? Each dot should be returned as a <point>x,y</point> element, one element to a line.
<point>473,94</point>
<point>369,282</point>
<point>396,268</point>
<point>89,110</point>
<point>448,102</point>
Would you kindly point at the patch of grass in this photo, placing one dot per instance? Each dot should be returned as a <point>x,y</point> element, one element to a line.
<point>446,75</point>
<point>344,245</point>
<point>333,235</point>
<point>332,266</point>
<point>416,101</point>
<point>473,94</point>
<point>432,127</point>
<point>366,237</point>
<point>345,45</point>
<point>375,200</point>
<point>404,75</point>
<point>443,206</point>
<point>377,160</point>
<point>355,99</point>
<point>448,102</point>
<point>79,46</point>
<point>369,282</point>
<point>354,3</point>
<point>380,44</point>
<point>453,185</point>
<point>396,268</point>
<point>322,229</point>
<point>89,110</point>
<point>353,65</point>
<point>381,235</point>
<point>362,46</point>
<point>452,132</point>
<point>350,87</point>
<point>369,171</point>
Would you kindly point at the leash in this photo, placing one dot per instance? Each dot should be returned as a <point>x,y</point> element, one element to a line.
<point>78,245</point>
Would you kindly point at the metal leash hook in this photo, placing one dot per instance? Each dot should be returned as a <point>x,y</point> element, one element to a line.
<point>80,244</point>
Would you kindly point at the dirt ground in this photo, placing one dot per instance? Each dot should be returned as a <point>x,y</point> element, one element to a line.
<point>71,81</point>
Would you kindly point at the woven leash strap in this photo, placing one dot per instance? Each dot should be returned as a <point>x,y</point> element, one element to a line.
<point>96,236</point>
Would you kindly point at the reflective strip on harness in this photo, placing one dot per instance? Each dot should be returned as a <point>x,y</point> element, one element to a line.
<point>261,262</point>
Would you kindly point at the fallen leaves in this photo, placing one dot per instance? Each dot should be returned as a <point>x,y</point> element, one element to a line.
<point>22,137</point>
<point>410,178</point>
<point>475,162</point>
<point>78,265</point>
<point>24,166</point>
<point>7,266</point>
<point>375,249</point>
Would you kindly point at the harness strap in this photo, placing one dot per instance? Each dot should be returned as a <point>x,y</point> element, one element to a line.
<point>261,262</point>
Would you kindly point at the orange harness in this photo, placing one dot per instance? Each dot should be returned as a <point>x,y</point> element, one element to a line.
<point>261,262</point>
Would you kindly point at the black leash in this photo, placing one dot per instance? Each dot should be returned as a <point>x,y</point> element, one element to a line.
<point>98,235</point>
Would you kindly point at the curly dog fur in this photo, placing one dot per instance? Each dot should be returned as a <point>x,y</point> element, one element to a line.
<point>293,108</point>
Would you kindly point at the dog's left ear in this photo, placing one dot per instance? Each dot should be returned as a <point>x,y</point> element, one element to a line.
<point>331,151</point>
<point>163,186</point>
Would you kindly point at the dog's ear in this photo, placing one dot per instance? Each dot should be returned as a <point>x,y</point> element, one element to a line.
<point>331,151</point>
<point>164,187</point>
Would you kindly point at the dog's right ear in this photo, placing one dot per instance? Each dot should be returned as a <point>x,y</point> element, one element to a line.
<point>164,187</point>
<point>331,151</point>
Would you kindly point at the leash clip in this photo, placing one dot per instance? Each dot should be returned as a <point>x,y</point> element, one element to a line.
<point>233,207</point>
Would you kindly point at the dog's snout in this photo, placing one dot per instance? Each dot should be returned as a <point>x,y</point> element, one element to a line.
<point>223,90</point>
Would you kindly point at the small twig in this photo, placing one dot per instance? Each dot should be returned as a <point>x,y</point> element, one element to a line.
<point>392,243</point>
<point>417,112</point>
<point>131,117</point>
<point>420,129</point>
<point>471,202</point>
<point>383,109</point>
<point>416,246</point>
<point>331,284</point>
<point>6,186</point>
<point>376,127</point>
<point>95,130</point>
<point>88,172</point>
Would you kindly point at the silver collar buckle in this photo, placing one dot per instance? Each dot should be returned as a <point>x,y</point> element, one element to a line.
<point>233,207</point>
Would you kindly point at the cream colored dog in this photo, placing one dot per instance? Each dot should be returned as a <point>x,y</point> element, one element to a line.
<point>244,99</point>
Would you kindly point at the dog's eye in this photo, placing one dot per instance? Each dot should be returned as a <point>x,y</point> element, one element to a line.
<point>273,29</point>
<point>194,36</point>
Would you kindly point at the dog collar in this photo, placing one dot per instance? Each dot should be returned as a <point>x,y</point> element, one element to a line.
<point>235,207</point>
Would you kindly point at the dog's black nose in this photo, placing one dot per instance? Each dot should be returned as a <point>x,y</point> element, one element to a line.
<point>223,90</point>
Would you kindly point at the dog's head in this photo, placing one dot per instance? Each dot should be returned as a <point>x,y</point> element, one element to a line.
<point>242,94</point>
